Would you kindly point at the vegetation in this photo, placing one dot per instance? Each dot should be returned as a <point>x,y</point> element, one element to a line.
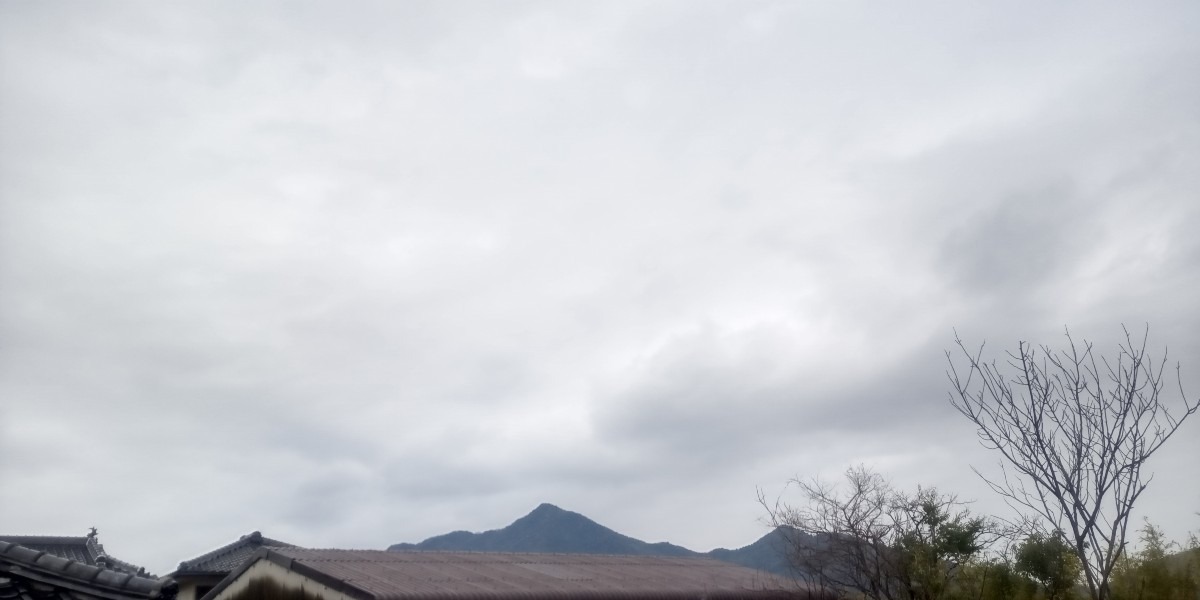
<point>879,542</point>
<point>865,539</point>
<point>1073,437</point>
<point>1050,561</point>
<point>995,579</point>
<point>1159,570</point>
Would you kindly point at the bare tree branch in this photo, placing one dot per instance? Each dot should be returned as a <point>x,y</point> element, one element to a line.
<point>1075,435</point>
<point>867,539</point>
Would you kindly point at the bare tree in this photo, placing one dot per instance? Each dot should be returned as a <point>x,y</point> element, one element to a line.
<point>1074,436</point>
<point>869,540</point>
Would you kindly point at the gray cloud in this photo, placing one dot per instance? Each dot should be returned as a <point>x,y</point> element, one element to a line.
<point>381,273</point>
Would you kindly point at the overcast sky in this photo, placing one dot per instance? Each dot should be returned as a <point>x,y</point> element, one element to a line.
<point>362,273</point>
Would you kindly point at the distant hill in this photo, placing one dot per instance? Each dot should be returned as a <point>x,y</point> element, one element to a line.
<point>548,529</point>
<point>551,529</point>
<point>769,553</point>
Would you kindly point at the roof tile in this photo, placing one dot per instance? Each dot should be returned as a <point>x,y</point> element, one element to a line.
<point>28,568</point>
<point>381,575</point>
<point>85,549</point>
<point>225,559</point>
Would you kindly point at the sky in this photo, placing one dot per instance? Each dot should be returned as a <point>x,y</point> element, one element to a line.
<point>359,274</point>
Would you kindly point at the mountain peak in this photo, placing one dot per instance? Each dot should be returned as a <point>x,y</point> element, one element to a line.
<point>547,508</point>
<point>548,528</point>
<point>547,516</point>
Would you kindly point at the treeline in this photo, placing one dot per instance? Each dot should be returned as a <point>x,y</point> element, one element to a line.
<point>1160,569</point>
<point>1043,567</point>
<point>1073,430</point>
<point>866,539</point>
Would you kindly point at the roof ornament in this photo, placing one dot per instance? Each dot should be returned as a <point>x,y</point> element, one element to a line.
<point>92,533</point>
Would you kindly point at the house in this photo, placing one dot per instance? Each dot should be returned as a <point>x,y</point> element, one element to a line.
<point>83,549</point>
<point>29,574</point>
<point>309,574</point>
<point>200,574</point>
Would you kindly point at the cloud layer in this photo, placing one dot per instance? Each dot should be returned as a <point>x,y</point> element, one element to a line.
<point>361,276</point>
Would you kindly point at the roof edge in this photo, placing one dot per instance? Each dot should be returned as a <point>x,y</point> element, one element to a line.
<point>748,594</point>
<point>80,577</point>
<point>294,566</point>
<point>89,546</point>
<point>253,539</point>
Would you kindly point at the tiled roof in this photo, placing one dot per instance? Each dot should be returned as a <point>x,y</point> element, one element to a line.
<point>225,559</point>
<point>85,549</point>
<point>31,574</point>
<point>380,575</point>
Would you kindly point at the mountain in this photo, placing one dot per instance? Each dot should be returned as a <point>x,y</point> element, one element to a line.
<point>769,553</point>
<point>551,529</point>
<point>548,529</point>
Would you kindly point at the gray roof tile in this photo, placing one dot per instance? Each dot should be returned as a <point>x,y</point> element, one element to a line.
<point>225,559</point>
<point>84,549</point>
<point>39,575</point>
<point>381,575</point>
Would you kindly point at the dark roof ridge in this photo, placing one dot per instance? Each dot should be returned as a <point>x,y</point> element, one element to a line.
<point>93,544</point>
<point>72,573</point>
<point>287,562</point>
<point>46,539</point>
<point>205,563</point>
<point>76,547</point>
<point>523,553</point>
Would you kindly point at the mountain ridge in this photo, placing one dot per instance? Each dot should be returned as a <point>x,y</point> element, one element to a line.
<point>550,529</point>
